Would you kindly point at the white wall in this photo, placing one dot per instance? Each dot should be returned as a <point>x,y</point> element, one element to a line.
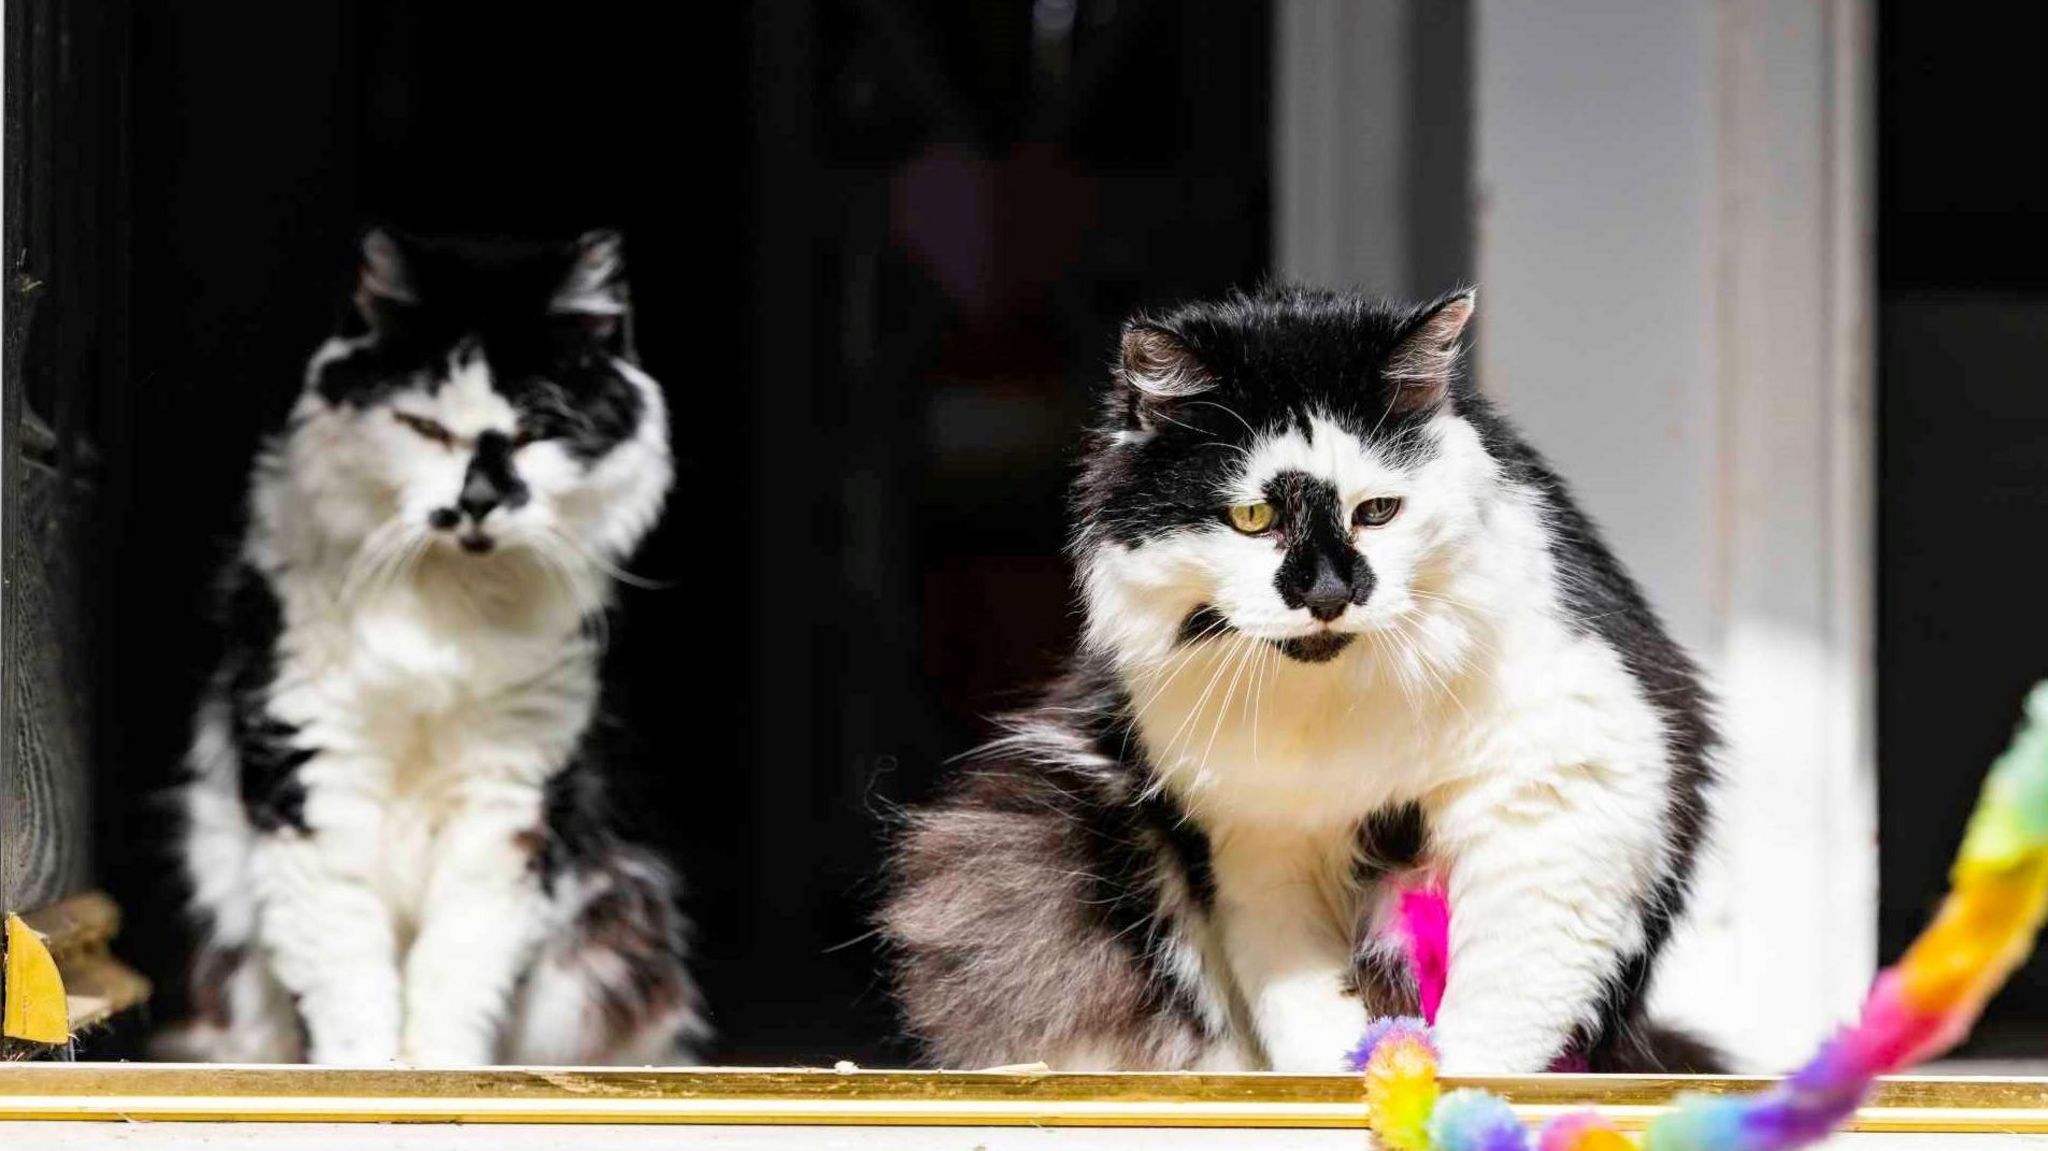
<point>1341,120</point>
<point>1674,276</point>
<point>1670,208</point>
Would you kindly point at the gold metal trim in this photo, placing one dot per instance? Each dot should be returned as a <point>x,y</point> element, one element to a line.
<point>870,1098</point>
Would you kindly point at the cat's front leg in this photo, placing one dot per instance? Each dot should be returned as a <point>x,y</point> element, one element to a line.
<point>480,922</point>
<point>329,935</point>
<point>1287,956</point>
<point>1547,874</point>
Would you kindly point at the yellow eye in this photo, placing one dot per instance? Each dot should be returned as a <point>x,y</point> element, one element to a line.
<point>1251,519</point>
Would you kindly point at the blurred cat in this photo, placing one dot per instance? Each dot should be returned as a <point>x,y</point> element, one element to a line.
<point>395,833</point>
<point>1351,652</point>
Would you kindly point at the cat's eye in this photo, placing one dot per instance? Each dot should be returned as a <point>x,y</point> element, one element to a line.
<point>426,427</point>
<point>1376,512</point>
<point>1251,519</point>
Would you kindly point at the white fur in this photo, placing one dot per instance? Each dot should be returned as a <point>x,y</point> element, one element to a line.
<point>442,689</point>
<point>1537,760</point>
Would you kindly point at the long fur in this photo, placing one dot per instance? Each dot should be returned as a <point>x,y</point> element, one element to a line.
<point>1188,854</point>
<point>394,830</point>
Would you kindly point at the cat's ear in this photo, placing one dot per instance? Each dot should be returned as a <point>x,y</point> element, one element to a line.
<point>382,279</point>
<point>1426,357</point>
<point>1155,371</point>
<point>593,290</point>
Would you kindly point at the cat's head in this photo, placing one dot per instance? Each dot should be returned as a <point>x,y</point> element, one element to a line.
<point>1288,466</point>
<point>480,398</point>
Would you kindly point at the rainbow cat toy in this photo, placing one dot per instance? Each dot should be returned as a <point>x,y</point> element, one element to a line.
<point>1915,1011</point>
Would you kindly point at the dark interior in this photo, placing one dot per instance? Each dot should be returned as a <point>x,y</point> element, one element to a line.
<point>1963,451</point>
<point>878,252</point>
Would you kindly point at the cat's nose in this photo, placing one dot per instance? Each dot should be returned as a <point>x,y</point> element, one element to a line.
<point>479,498</point>
<point>1325,582</point>
<point>490,482</point>
<point>1328,597</point>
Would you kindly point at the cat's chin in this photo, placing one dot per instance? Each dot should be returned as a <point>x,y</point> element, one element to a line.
<point>1320,647</point>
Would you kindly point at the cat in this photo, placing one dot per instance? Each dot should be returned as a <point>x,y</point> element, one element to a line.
<point>1348,643</point>
<point>394,827</point>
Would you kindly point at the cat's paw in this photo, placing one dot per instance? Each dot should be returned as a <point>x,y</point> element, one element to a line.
<point>1326,1051</point>
<point>353,1051</point>
<point>444,1052</point>
<point>1478,1051</point>
<point>1307,1024</point>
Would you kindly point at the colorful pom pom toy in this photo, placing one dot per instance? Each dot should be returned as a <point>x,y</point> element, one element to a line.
<point>1916,1010</point>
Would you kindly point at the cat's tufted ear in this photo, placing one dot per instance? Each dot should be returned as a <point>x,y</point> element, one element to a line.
<point>1155,370</point>
<point>1422,363</point>
<point>593,290</point>
<point>382,280</point>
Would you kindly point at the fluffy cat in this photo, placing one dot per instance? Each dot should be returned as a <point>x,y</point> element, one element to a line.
<point>1348,642</point>
<point>394,830</point>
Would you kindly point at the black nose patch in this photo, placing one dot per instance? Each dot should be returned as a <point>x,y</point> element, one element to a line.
<point>1321,570</point>
<point>491,482</point>
<point>1328,592</point>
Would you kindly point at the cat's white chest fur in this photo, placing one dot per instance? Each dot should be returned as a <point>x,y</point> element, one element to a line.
<point>1281,771</point>
<point>1250,736</point>
<point>424,667</point>
<point>1247,736</point>
<point>427,700</point>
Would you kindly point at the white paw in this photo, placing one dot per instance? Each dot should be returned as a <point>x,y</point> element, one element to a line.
<point>1318,1051</point>
<point>1465,1052</point>
<point>352,1051</point>
<point>444,1052</point>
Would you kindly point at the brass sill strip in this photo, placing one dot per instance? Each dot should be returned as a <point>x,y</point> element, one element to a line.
<point>173,1092</point>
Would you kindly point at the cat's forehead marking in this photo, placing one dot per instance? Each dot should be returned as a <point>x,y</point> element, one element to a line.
<point>467,400</point>
<point>1317,446</point>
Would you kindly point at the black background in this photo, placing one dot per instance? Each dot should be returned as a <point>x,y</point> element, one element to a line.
<point>878,252</point>
<point>1962,360</point>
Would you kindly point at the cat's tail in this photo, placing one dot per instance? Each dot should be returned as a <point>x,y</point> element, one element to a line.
<point>611,986</point>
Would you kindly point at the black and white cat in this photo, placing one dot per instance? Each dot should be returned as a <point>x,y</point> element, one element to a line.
<point>394,830</point>
<point>1347,638</point>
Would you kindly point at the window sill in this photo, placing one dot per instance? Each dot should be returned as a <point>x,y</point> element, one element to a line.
<point>166,1092</point>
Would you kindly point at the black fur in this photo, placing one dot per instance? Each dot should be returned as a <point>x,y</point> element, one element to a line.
<point>266,748</point>
<point>576,821</point>
<point>441,299</point>
<point>1321,570</point>
<point>491,480</point>
<point>1040,899</point>
<point>1391,839</point>
<point>1271,357</point>
<point>634,919</point>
